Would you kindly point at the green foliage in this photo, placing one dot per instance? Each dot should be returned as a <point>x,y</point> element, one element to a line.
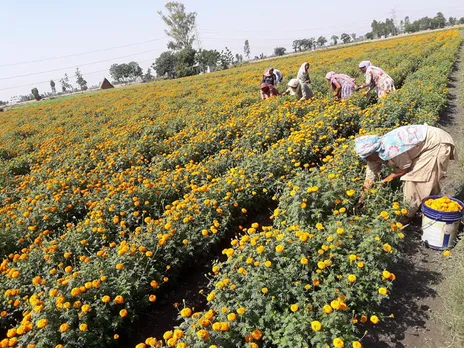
<point>279,51</point>
<point>35,93</point>
<point>180,24</point>
<point>165,64</point>
<point>126,72</point>
<point>345,38</point>
<point>207,58</point>
<point>80,80</point>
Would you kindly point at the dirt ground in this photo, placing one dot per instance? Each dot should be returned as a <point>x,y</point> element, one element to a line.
<point>415,301</point>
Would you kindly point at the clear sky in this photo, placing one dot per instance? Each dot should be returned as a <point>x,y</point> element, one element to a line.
<point>37,30</point>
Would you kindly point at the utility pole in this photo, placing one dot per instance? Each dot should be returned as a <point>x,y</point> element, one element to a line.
<point>197,37</point>
<point>393,18</point>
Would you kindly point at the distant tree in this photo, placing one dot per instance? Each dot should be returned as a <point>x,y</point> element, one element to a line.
<point>238,58</point>
<point>208,58</point>
<point>334,39</point>
<point>134,70</point>
<point>452,21</point>
<point>461,20</point>
<point>148,76</point>
<point>35,93</point>
<point>80,80</point>
<point>306,44</point>
<point>279,51</point>
<point>439,20</point>
<point>369,35</point>
<point>185,60</point>
<point>321,41</point>
<point>296,45</point>
<point>126,72</point>
<point>65,85</point>
<point>312,43</point>
<point>354,36</point>
<point>345,38</point>
<point>3,102</point>
<point>246,49</point>
<point>180,24</point>
<point>226,59</point>
<point>165,65</point>
<point>52,86</point>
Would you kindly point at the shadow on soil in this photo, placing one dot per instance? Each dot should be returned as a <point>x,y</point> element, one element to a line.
<point>185,289</point>
<point>413,283</point>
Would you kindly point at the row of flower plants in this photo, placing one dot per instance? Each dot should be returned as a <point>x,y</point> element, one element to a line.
<point>129,186</point>
<point>316,275</point>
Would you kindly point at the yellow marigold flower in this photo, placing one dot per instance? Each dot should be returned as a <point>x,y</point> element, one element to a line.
<point>350,193</point>
<point>264,290</point>
<point>119,299</point>
<point>257,334</point>
<point>386,274</point>
<point>123,313</point>
<point>446,253</point>
<point>383,291</point>
<point>83,327</point>
<point>268,264</point>
<point>384,214</point>
<point>64,327</point>
<point>231,316</point>
<point>338,343</point>
<point>203,334</point>
<point>241,310</point>
<point>294,308</point>
<point>351,278</point>
<point>319,226</point>
<point>279,248</point>
<point>304,260</point>
<point>85,308</point>
<point>357,344</point>
<point>374,319</point>
<point>335,304</point>
<point>353,257</point>
<point>316,325</point>
<point>387,247</point>
<point>186,312</point>
<point>327,309</point>
<point>106,299</point>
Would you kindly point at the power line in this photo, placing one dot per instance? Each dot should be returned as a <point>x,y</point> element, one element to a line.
<point>77,66</point>
<point>82,54</point>
<point>40,82</point>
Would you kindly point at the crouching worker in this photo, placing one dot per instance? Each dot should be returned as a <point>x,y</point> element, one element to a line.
<point>299,89</point>
<point>268,85</point>
<point>420,155</point>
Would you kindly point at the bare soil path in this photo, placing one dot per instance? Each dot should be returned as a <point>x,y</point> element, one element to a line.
<point>415,301</point>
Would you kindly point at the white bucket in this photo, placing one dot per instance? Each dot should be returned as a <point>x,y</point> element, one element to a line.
<point>439,234</point>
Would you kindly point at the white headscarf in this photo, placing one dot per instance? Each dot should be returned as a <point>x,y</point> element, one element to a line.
<point>302,73</point>
<point>293,83</point>
<point>365,64</point>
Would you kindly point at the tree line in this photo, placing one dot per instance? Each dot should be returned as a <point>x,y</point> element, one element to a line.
<point>182,59</point>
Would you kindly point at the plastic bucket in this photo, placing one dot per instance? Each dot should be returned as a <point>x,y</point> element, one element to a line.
<point>439,229</point>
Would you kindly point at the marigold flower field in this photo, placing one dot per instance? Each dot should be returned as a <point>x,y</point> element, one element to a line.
<point>107,196</point>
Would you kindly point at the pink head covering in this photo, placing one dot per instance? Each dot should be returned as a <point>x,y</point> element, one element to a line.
<point>267,72</point>
<point>330,75</point>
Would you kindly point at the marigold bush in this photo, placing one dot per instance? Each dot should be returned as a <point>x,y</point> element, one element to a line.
<point>127,186</point>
